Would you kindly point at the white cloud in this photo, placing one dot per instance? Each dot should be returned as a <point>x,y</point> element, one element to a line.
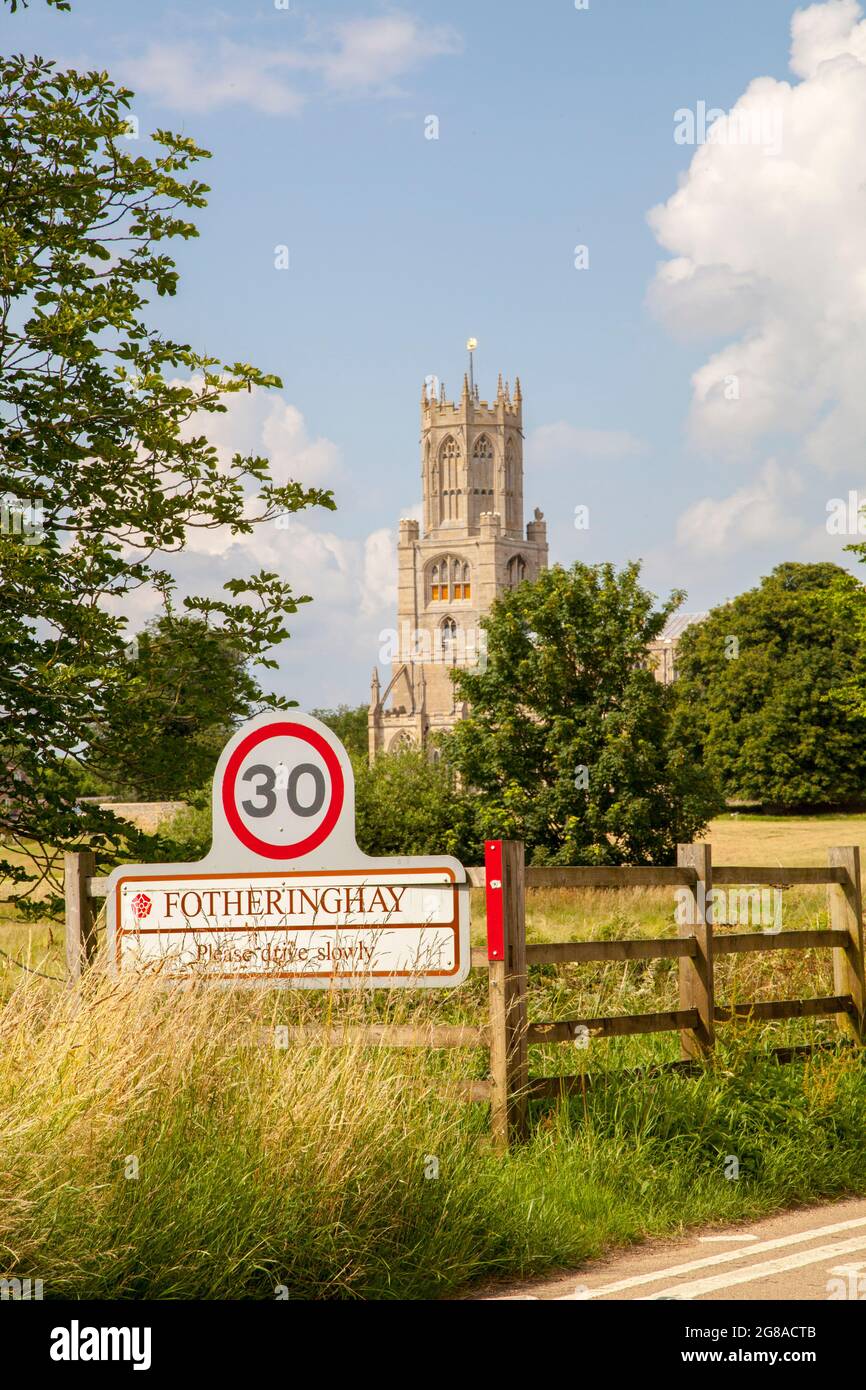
<point>769,249</point>
<point>371,54</point>
<point>351,579</point>
<point>365,56</point>
<point>756,514</point>
<point>379,592</point>
<point>283,433</point>
<point>262,422</point>
<point>822,33</point>
<point>200,77</point>
<point>561,443</point>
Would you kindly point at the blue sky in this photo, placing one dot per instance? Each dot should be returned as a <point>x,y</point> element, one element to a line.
<point>556,128</point>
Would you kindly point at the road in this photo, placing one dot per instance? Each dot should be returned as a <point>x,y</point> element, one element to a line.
<point>816,1254</point>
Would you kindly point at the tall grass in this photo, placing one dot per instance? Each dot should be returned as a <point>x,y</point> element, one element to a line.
<point>254,1167</point>
<point>350,1172</point>
<point>335,1172</point>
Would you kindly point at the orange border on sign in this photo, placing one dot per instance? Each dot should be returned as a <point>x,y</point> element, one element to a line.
<point>453,925</point>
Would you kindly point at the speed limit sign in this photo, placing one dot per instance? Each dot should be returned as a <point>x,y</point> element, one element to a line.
<point>285,898</point>
<point>283,790</point>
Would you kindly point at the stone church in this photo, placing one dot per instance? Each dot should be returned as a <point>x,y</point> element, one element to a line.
<point>471,546</point>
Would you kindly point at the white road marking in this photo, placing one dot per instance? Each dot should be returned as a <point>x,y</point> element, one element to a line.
<point>780,1243</point>
<point>782,1265</point>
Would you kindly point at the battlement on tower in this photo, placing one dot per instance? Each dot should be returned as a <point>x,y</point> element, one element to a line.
<point>436,409</point>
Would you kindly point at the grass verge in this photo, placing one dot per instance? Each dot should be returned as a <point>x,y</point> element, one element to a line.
<point>149,1150</point>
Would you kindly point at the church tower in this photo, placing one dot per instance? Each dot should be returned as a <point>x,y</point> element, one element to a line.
<point>472,546</point>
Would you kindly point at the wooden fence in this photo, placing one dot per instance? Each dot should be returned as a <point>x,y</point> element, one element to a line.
<point>509,1034</point>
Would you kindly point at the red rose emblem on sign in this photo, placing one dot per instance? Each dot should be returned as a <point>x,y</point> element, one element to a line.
<point>141,906</point>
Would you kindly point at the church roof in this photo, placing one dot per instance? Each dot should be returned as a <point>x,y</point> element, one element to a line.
<point>677,624</point>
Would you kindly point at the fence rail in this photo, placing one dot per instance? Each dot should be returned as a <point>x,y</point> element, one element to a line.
<point>508,1033</point>
<point>696,948</point>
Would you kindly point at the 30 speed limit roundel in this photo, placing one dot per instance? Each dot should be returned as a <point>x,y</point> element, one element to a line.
<point>283,790</point>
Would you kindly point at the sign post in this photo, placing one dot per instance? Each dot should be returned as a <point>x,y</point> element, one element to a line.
<point>285,898</point>
<point>506,976</point>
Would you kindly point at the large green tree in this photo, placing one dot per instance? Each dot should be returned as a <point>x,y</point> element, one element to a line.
<point>408,802</point>
<point>757,690</point>
<point>567,740</point>
<point>188,686</point>
<point>105,461</point>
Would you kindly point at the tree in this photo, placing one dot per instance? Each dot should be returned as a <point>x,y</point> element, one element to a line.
<point>756,690</point>
<point>349,723</point>
<point>850,694</point>
<point>567,740</point>
<point>104,458</point>
<point>409,803</point>
<point>187,689</point>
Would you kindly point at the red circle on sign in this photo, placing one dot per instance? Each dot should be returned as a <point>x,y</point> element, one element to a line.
<point>332,763</point>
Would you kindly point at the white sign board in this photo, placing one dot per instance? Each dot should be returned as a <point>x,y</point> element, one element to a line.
<point>285,898</point>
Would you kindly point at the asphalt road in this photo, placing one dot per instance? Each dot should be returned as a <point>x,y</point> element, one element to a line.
<point>816,1254</point>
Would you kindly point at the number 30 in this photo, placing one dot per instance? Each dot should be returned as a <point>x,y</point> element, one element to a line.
<point>266,802</point>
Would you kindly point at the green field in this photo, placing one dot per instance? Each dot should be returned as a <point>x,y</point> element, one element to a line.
<point>353,1172</point>
<point>783,840</point>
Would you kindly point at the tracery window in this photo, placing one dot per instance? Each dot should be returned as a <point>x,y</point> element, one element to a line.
<point>482,466</point>
<point>449,458</point>
<point>462,586</point>
<point>449,578</point>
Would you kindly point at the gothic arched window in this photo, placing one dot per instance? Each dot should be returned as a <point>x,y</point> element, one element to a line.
<point>516,571</point>
<point>482,465</point>
<point>449,463</point>
<point>449,458</point>
<point>450,448</point>
<point>462,586</point>
<point>449,578</point>
<point>448,628</point>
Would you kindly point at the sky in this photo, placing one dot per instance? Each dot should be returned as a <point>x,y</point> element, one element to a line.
<point>653,213</point>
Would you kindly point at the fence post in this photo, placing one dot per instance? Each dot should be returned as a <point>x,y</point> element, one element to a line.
<point>846,914</point>
<point>696,972</point>
<point>506,956</point>
<point>78,867</point>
